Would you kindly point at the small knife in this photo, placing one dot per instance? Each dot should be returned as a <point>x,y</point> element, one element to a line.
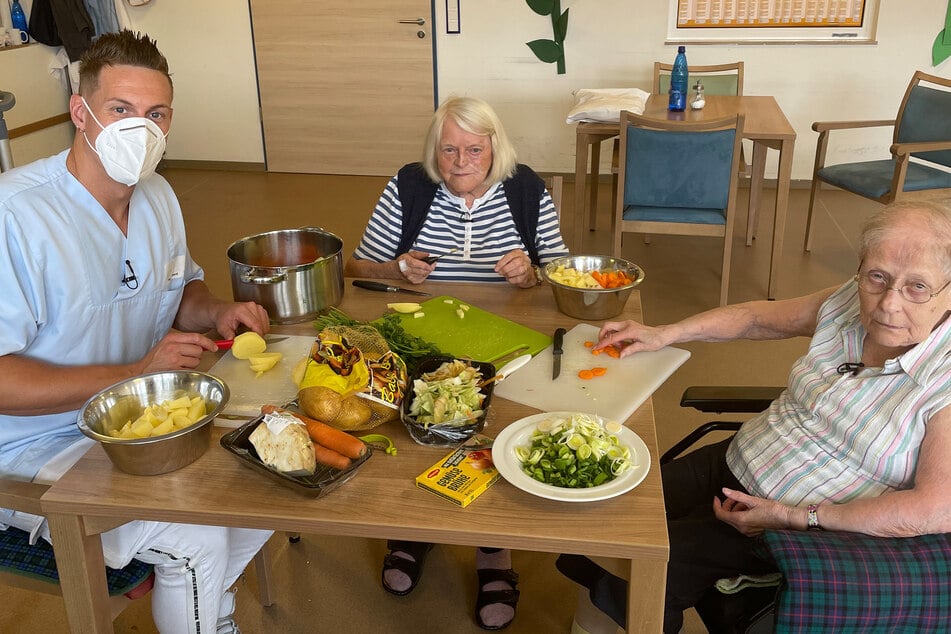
<point>380,286</point>
<point>557,352</point>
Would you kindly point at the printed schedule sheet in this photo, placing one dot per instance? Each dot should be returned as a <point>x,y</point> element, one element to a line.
<point>769,13</point>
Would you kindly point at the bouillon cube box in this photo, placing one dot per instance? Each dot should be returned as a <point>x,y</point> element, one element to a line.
<point>462,475</point>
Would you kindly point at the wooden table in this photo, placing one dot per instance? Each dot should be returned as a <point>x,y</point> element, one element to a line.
<point>380,502</point>
<point>765,125</point>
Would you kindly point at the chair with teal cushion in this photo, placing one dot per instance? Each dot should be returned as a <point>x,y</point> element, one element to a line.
<point>679,178</point>
<point>920,150</point>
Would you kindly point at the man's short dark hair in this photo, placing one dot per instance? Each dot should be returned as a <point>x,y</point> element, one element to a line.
<point>124,48</point>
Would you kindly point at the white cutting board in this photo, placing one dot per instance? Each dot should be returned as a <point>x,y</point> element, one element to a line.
<point>249,393</point>
<point>628,382</point>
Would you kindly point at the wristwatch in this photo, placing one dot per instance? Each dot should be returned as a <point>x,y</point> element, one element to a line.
<point>812,518</point>
<point>538,275</point>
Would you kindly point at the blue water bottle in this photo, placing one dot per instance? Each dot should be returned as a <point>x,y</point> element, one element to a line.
<point>19,20</point>
<point>679,82</point>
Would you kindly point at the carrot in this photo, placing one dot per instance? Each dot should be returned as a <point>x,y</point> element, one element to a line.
<point>599,371</point>
<point>588,344</point>
<point>613,352</point>
<point>331,438</point>
<point>329,457</point>
<point>597,352</point>
<point>585,374</point>
<point>597,277</point>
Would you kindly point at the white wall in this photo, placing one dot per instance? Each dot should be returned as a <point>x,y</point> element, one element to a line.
<point>611,43</point>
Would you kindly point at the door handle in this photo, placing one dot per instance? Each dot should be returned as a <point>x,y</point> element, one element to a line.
<point>418,21</point>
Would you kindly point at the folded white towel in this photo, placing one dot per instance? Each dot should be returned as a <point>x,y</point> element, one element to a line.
<point>733,585</point>
<point>606,104</point>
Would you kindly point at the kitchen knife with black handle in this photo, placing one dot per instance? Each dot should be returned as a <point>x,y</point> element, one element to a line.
<point>557,352</point>
<point>380,286</point>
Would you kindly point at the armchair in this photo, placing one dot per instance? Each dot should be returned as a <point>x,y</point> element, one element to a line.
<point>922,131</point>
<point>833,581</point>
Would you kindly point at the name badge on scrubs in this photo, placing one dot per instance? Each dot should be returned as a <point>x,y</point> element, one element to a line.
<point>176,270</point>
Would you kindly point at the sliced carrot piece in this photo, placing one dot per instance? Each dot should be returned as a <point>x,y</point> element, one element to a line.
<point>585,374</point>
<point>597,352</point>
<point>613,352</point>
<point>599,371</point>
<point>588,344</point>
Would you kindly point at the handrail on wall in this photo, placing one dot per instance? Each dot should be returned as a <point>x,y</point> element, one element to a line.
<point>36,126</point>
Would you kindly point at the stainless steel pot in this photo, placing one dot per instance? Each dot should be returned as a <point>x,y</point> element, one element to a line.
<point>294,273</point>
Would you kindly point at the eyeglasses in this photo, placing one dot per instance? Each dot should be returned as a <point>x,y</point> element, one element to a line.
<point>876,283</point>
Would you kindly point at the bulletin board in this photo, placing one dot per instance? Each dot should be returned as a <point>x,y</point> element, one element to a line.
<point>772,21</point>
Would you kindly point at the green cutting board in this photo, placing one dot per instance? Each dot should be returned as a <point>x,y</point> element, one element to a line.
<point>480,335</point>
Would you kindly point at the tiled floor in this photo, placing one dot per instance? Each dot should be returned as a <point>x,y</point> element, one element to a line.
<point>331,585</point>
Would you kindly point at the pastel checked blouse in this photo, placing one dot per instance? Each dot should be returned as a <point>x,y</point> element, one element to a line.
<point>837,437</point>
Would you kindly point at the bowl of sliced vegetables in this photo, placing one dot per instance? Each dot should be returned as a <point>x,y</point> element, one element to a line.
<point>571,456</point>
<point>592,286</point>
<point>449,401</point>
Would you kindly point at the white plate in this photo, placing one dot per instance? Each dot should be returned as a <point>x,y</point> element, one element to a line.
<point>517,435</point>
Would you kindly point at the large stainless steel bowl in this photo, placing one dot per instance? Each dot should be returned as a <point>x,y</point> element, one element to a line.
<point>114,406</point>
<point>592,303</point>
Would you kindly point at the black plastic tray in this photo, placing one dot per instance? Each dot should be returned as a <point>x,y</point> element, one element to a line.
<point>323,481</point>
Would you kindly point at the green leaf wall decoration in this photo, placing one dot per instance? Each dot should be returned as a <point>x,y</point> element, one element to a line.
<point>941,49</point>
<point>551,51</point>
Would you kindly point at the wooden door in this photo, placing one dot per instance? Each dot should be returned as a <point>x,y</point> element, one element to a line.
<point>346,88</point>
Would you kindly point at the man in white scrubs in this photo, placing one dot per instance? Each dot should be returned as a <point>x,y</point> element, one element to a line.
<point>97,286</point>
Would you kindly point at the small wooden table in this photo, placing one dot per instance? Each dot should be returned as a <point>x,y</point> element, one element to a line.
<point>765,124</point>
<point>380,501</point>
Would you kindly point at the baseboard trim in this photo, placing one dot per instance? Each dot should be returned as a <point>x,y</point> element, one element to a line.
<point>228,166</point>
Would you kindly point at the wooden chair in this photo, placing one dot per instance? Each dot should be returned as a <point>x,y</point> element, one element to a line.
<point>922,131</point>
<point>678,178</point>
<point>33,567</point>
<point>718,79</point>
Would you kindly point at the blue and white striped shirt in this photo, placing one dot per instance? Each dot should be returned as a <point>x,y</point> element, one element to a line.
<point>838,437</point>
<point>482,234</point>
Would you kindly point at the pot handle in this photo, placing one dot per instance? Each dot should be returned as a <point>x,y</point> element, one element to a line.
<point>248,277</point>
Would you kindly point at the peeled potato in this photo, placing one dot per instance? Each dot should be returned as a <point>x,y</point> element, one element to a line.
<point>246,344</point>
<point>264,361</point>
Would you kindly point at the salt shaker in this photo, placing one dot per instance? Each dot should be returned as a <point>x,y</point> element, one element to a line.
<point>698,101</point>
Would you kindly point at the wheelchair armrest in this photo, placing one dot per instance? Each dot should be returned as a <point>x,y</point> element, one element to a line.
<point>729,398</point>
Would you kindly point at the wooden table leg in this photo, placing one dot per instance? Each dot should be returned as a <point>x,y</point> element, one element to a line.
<point>581,172</point>
<point>82,575</point>
<point>646,591</point>
<point>758,170</point>
<point>595,178</point>
<point>782,202</point>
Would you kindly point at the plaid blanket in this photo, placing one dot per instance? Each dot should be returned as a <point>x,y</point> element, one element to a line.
<point>37,562</point>
<point>848,582</point>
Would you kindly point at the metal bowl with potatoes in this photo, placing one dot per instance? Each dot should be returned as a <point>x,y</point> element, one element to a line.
<point>159,432</point>
<point>578,295</point>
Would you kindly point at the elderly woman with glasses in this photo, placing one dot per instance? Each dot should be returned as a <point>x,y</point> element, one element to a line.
<point>859,441</point>
<point>468,212</point>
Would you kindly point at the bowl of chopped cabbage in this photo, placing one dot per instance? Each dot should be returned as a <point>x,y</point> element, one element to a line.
<point>448,404</point>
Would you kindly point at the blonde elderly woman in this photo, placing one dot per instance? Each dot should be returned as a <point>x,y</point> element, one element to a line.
<point>469,201</point>
<point>489,219</point>
<point>860,440</point>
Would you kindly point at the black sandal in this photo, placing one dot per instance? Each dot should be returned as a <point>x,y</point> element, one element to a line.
<point>412,569</point>
<point>508,597</point>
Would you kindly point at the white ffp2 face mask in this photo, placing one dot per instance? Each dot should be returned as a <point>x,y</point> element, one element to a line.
<point>130,149</point>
